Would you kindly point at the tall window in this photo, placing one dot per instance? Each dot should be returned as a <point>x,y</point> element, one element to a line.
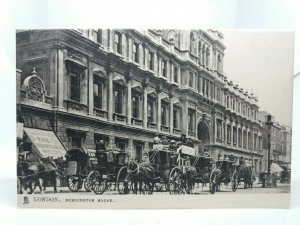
<point>218,94</point>
<point>118,94</point>
<point>203,86</point>
<point>136,106</point>
<point>234,135</point>
<point>240,138</point>
<point>249,140</point>
<point>255,145</point>
<point>191,120</point>
<point>244,139</point>
<point>151,60</point>
<point>75,87</point>
<point>175,74</point>
<point>164,68</point>
<point>228,134</point>
<point>207,88</point>
<point>219,129</point>
<point>98,93</point>
<point>176,118</point>
<point>191,81</point>
<point>139,152</point>
<point>150,108</point>
<point>118,42</point>
<point>164,115</point>
<point>97,36</point>
<point>135,52</point>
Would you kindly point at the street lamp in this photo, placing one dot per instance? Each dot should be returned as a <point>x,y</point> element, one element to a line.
<point>269,124</point>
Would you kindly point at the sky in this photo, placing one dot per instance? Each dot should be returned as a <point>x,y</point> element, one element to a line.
<point>262,62</point>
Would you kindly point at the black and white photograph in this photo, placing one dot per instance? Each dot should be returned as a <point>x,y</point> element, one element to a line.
<point>131,118</point>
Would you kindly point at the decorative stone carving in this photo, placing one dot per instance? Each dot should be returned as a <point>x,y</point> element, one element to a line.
<point>34,87</point>
<point>75,55</point>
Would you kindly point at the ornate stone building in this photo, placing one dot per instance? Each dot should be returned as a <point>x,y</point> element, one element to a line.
<point>124,86</point>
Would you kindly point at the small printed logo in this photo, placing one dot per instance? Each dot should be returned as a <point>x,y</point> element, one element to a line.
<point>26,200</point>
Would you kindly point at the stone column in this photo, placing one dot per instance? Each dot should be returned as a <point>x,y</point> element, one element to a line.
<point>124,45</point>
<point>110,96</point>
<point>146,57</point>
<point>60,77</point>
<point>159,112</point>
<point>18,85</point>
<point>237,135</point>
<point>171,72</point>
<point>225,130</point>
<point>141,56</point>
<point>179,75</point>
<point>215,127</point>
<point>171,125</point>
<point>168,71</point>
<point>129,102</point>
<point>184,116</point>
<point>247,139</point>
<point>242,130</point>
<point>232,124</point>
<point>155,66</point>
<point>130,43</point>
<point>91,89</point>
<point>146,149</point>
<point>159,66</point>
<point>111,40</point>
<point>145,114</point>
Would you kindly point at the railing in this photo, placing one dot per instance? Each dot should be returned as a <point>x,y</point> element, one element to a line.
<point>151,125</point>
<point>165,128</point>
<point>76,106</point>
<point>176,131</point>
<point>100,112</point>
<point>137,122</point>
<point>119,117</point>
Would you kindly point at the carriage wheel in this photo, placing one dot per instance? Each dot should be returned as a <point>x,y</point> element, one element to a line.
<point>213,186</point>
<point>123,180</point>
<point>89,181</point>
<point>19,186</point>
<point>74,183</point>
<point>234,182</point>
<point>175,181</point>
<point>100,182</point>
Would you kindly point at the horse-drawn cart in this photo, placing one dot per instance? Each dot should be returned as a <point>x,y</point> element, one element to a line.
<point>224,172</point>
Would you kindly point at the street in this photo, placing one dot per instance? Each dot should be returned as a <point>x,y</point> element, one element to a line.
<point>257,189</point>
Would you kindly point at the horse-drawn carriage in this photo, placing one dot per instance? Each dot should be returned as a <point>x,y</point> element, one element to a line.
<point>191,170</point>
<point>92,169</point>
<point>152,173</point>
<point>224,172</point>
<point>245,175</point>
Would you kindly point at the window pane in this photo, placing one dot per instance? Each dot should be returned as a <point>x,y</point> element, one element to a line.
<point>75,87</point>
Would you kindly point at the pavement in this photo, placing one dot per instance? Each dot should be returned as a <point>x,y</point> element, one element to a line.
<point>224,189</point>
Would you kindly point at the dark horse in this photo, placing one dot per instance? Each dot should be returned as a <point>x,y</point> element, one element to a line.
<point>30,173</point>
<point>141,177</point>
<point>245,175</point>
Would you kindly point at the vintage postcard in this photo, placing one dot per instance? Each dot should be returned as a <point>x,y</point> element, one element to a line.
<point>125,118</point>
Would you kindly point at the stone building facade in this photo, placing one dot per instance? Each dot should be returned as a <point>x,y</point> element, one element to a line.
<point>124,86</point>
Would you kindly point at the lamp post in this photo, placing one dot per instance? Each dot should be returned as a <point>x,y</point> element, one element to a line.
<point>269,124</point>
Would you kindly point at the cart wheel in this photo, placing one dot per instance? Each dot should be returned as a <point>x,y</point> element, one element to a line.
<point>234,182</point>
<point>176,181</point>
<point>19,186</point>
<point>74,183</point>
<point>89,181</point>
<point>213,182</point>
<point>100,182</point>
<point>123,180</point>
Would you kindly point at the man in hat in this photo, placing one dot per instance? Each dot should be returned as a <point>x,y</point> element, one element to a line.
<point>231,157</point>
<point>156,139</point>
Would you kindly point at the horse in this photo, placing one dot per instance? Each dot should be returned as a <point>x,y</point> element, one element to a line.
<point>30,173</point>
<point>245,175</point>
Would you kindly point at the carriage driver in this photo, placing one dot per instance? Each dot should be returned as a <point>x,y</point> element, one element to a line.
<point>231,157</point>
<point>100,145</point>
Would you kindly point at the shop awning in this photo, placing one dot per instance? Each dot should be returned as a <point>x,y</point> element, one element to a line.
<point>275,168</point>
<point>45,143</point>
